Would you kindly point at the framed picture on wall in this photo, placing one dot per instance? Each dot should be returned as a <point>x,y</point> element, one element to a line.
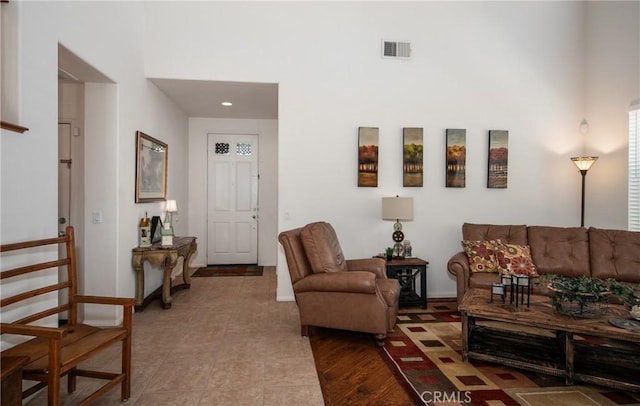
<point>368,156</point>
<point>412,157</point>
<point>456,157</point>
<point>151,168</point>
<point>498,159</point>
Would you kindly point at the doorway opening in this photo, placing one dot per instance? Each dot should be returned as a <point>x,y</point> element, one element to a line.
<point>79,98</point>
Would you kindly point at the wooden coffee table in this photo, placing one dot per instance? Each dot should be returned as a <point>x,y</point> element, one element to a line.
<point>538,339</point>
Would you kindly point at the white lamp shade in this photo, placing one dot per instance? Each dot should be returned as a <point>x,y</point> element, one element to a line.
<point>397,208</point>
<point>171,206</point>
<point>584,162</point>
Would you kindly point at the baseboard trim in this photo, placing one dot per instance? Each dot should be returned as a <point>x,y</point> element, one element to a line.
<point>442,299</point>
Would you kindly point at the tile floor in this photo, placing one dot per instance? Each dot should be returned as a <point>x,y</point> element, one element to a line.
<point>225,341</point>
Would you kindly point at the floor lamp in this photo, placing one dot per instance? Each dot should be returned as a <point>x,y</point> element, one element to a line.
<point>583,163</point>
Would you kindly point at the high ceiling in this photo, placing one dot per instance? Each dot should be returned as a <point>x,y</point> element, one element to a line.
<point>197,98</point>
<point>200,98</point>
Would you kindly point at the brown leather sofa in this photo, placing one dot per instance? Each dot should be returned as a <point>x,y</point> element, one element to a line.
<point>334,292</point>
<point>570,251</point>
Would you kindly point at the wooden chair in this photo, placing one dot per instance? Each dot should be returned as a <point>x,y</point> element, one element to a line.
<point>57,351</point>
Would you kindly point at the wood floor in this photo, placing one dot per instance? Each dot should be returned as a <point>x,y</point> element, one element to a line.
<point>351,370</point>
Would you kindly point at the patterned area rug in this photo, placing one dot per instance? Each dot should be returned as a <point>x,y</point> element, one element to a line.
<point>424,353</point>
<point>229,270</point>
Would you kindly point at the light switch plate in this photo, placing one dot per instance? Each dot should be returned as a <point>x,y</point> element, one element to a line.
<point>96,217</point>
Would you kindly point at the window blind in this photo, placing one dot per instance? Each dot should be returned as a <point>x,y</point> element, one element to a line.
<point>634,168</point>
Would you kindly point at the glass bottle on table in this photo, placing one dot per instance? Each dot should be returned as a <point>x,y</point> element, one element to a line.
<point>144,232</point>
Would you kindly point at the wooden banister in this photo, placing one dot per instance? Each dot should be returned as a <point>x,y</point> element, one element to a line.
<point>13,127</point>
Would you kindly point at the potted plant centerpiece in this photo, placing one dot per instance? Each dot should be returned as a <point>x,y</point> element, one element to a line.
<point>585,296</point>
<point>389,252</point>
<point>628,294</point>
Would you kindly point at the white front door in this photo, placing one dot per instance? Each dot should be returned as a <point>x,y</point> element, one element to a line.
<point>232,199</point>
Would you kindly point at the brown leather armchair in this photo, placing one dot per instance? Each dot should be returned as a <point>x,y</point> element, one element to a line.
<point>336,293</point>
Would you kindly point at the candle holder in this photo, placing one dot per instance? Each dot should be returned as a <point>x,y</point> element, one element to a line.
<point>514,289</point>
<point>498,289</point>
<point>508,285</point>
<point>517,285</point>
<point>523,282</point>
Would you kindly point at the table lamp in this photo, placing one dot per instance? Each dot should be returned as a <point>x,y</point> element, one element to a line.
<point>167,228</point>
<point>396,209</point>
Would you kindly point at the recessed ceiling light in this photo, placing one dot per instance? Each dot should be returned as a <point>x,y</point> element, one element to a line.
<point>227,104</point>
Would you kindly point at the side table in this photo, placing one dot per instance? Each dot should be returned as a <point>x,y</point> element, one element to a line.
<point>167,257</point>
<point>406,271</point>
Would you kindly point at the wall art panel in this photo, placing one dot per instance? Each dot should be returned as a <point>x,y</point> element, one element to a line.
<point>412,157</point>
<point>456,157</point>
<point>368,156</point>
<point>498,159</point>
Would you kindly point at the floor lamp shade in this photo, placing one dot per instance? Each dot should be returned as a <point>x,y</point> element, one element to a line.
<point>584,162</point>
<point>397,208</point>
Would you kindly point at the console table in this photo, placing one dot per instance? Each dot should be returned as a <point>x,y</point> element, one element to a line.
<point>167,257</point>
<point>544,341</point>
<point>406,270</point>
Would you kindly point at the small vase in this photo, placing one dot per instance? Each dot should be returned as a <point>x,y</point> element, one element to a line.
<point>407,248</point>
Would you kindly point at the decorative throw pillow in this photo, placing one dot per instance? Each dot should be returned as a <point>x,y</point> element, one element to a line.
<point>322,248</point>
<point>514,259</point>
<point>481,255</point>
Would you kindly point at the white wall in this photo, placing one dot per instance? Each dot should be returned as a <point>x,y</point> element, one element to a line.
<point>518,66</point>
<point>109,37</point>
<point>28,170</point>
<point>478,66</point>
<point>267,131</point>
<point>612,82</point>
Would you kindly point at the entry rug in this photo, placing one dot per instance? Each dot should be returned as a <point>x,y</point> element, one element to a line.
<point>424,354</point>
<point>228,270</point>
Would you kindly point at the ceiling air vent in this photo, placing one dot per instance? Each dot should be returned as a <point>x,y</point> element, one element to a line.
<point>396,49</point>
